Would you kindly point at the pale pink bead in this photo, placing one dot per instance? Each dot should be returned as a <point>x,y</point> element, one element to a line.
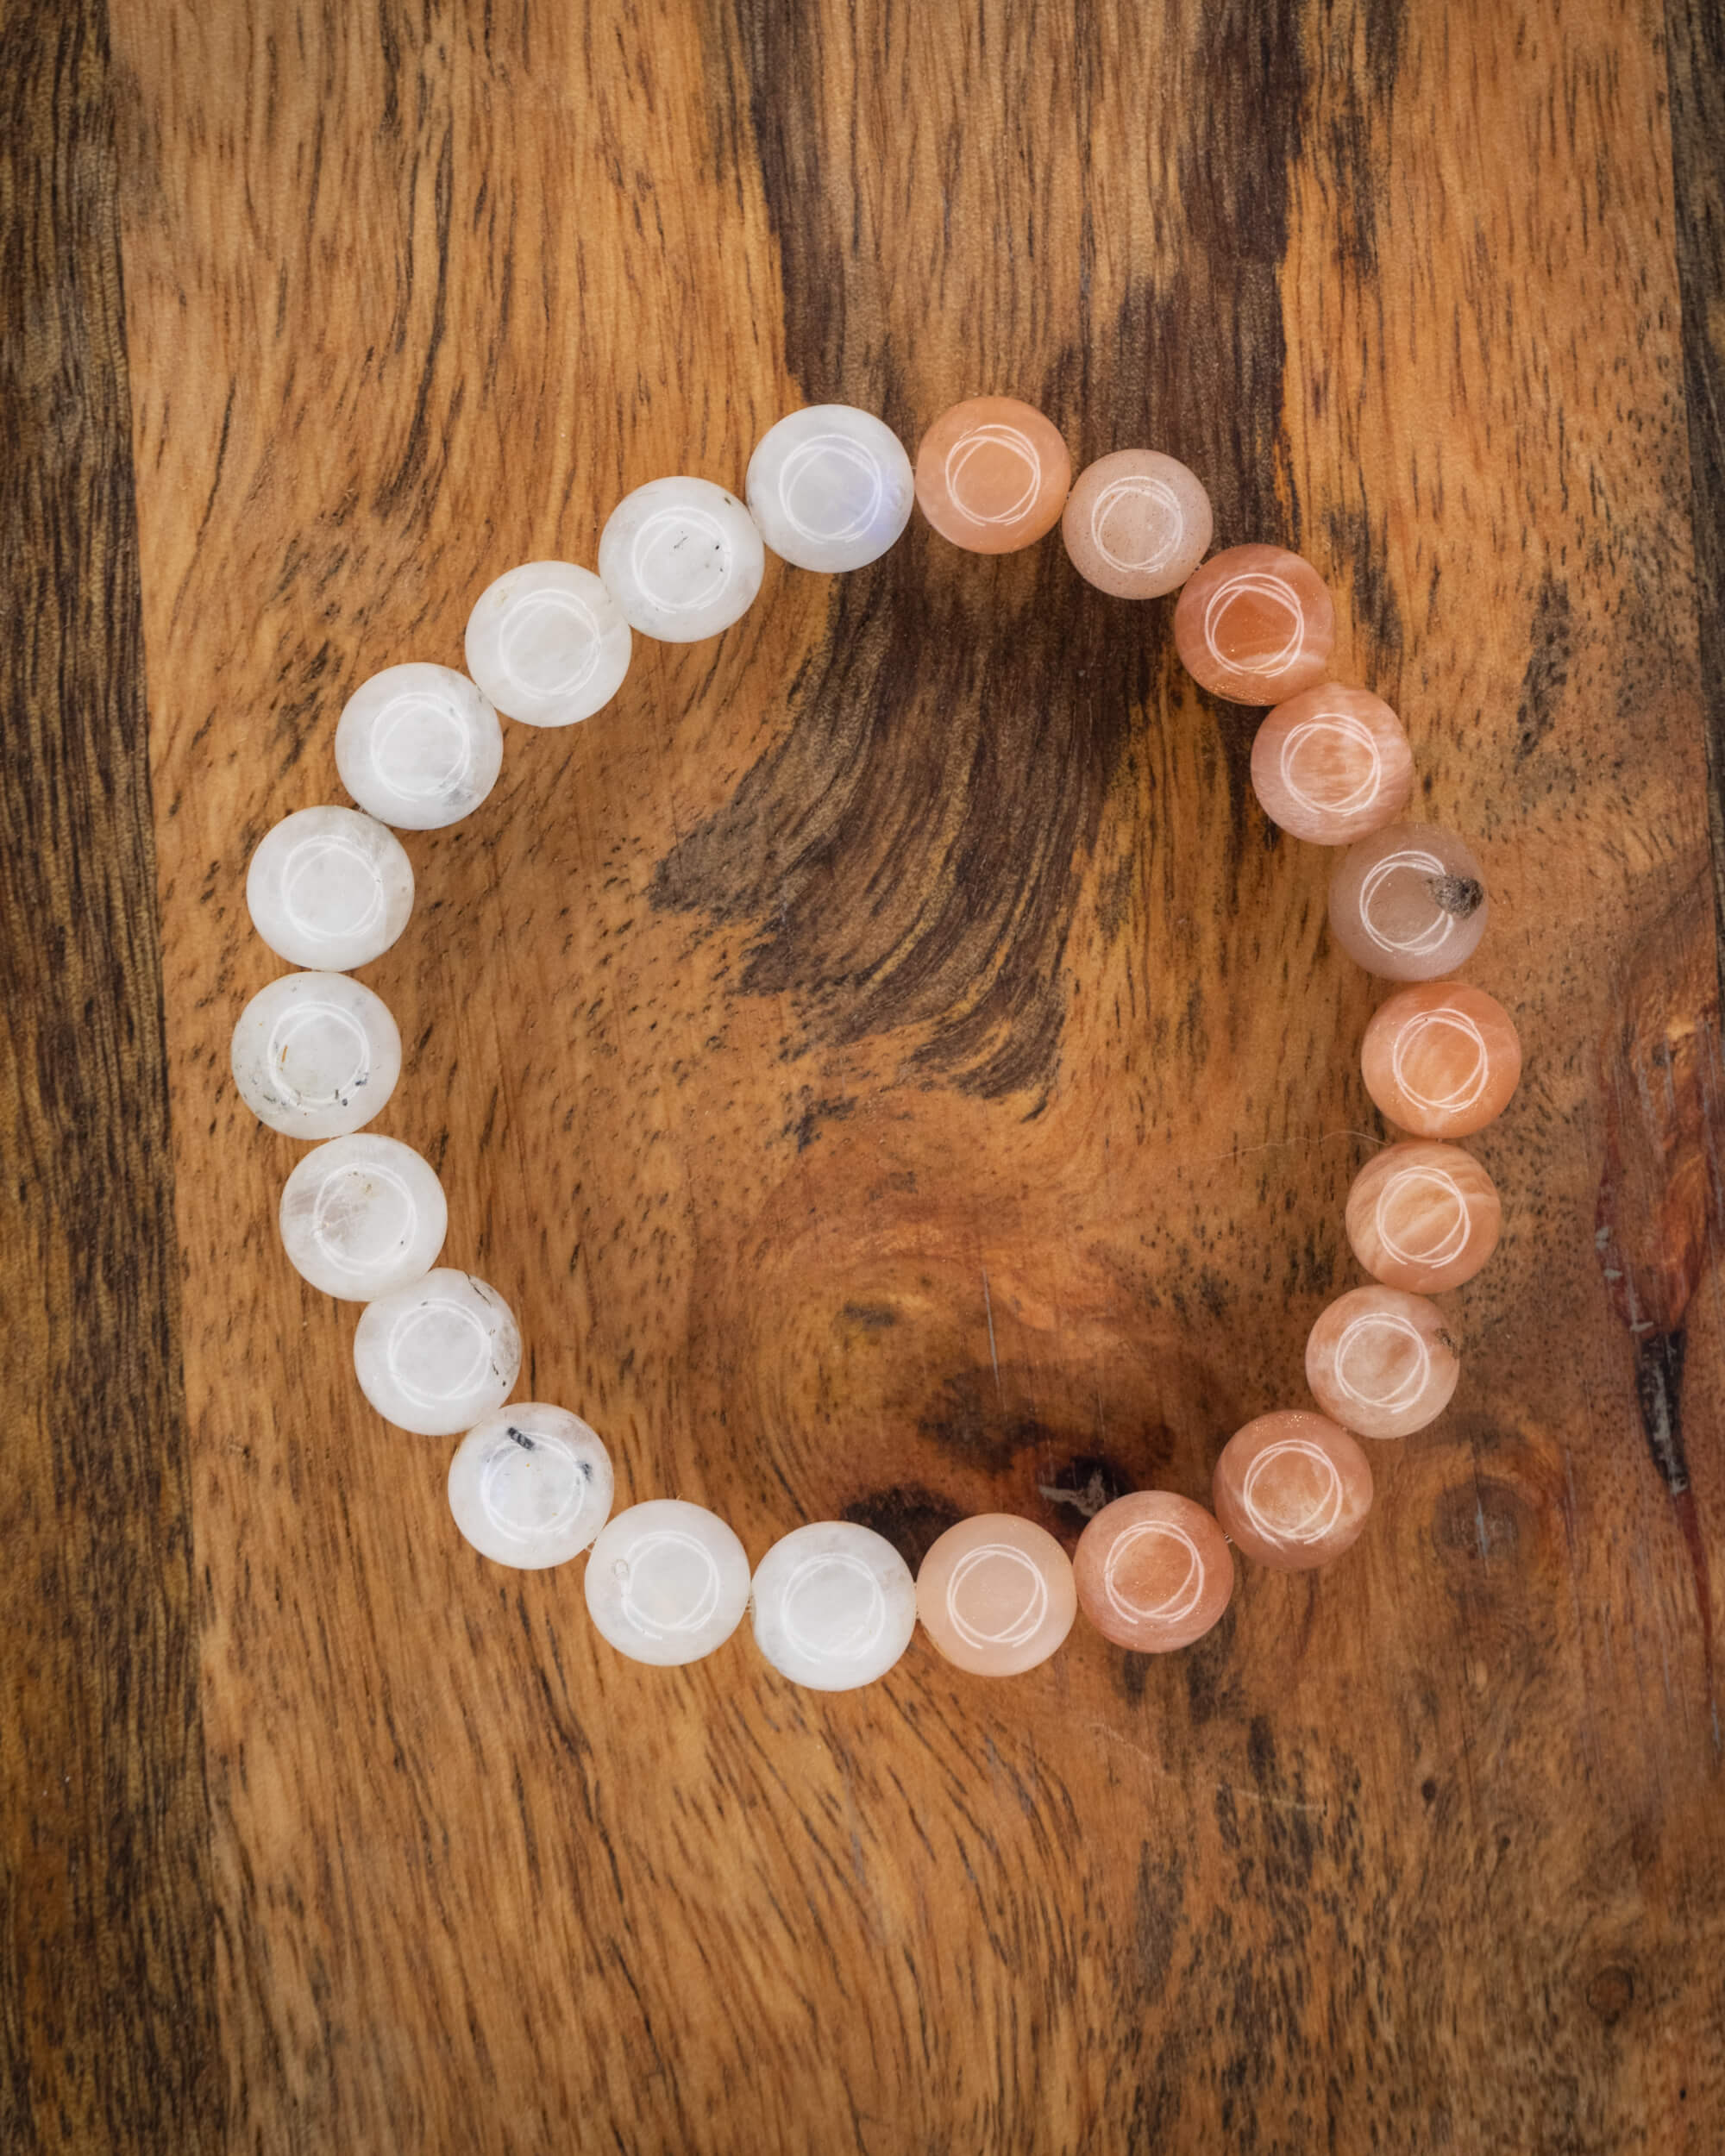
<point>1153,1571</point>
<point>1292,1489</point>
<point>995,1593</point>
<point>1422,1216</point>
<point>1256,624</point>
<point>1136,523</point>
<point>1332,764</point>
<point>1441,1060</point>
<point>1409,903</point>
<point>1381,1362</point>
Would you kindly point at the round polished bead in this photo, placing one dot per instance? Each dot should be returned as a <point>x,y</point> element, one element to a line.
<point>995,1593</point>
<point>436,1355</point>
<point>1293,1490</point>
<point>330,888</point>
<point>830,487</point>
<point>531,1485</point>
<point>418,746</point>
<point>1153,1571</point>
<point>1441,1059</point>
<point>1332,764</point>
<point>1381,1362</point>
<point>1409,903</point>
<point>316,1055</point>
<point>1255,624</point>
<point>548,643</point>
<point>362,1215</point>
<point>666,1582</point>
<point>1136,523</point>
<point>834,1606</point>
<point>1423,1217</point>
<point>992,474</point>
<point>683,558</point>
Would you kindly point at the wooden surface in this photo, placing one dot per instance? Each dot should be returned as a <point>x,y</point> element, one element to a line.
<point>889,1067</point>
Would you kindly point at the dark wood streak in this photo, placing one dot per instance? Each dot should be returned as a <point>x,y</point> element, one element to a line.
<point>107,2014</point>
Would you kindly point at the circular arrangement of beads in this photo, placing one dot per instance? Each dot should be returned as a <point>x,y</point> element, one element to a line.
<point>317,1054</point>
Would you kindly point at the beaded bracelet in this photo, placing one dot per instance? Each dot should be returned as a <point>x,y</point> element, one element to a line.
<point>317,1054</point>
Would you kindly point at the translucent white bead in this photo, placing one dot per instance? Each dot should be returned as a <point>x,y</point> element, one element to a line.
<point>531,1486</point>
<point>548,643</point>
<point>835,1604</point>
<point>830,488</point>
<point>436,1355</point>
<point>666,1582</point>
<point>362,1215</point>
<point>330,887</point>
<point>683,558</point>
<point>316,1055</point>
<point>418,746</point>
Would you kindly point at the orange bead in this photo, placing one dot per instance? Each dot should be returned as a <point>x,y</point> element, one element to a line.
<point>1381,1363</point>
<point>1154,1572</point>
<point>1255,624</point>
<point>1293,1490</point>
<point>1442,1059</point>
<point>1332,764</point>
<point>992,474</point>
<point>996,1595</point>
<point>1423,1217</point>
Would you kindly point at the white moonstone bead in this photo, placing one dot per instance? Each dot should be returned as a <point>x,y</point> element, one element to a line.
<point>835,1604</point>
<point>330,887</point>
<point>683,558</point>
<point>666,1582</point>
<point>830,488</point>
<point>531,1486</point>
<point>436,1355</point>
<point>316,1055</point>
<point>362,1215</point>
<point>418,746</point>
<point>548,643</point>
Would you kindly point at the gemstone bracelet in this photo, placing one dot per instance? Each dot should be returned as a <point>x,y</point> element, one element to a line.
<point>317,1054</point>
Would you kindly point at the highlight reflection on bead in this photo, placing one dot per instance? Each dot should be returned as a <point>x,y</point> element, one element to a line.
<point>666,1582</point>
<point>1255,624</point>
<point>436,1355</point>
<point>316,1055</point>
<point>531,1485</point>
<point>1441,1059</point>
<point>683,558</point>
<point>834,1604</point>
<point>1292,1489</point>
<point>1381,1363</point>
<point>992,474</point>
<point>1409,903</point>
<point>995,1593</point>
<point>418,746</point>
<point>362,1215</point>
<point>1136,523</point>
<point>1423,1217</point>
<point>830,487</point>
<point>548,643</point>
<point>1153,1571</point>
<point>1331,764</point>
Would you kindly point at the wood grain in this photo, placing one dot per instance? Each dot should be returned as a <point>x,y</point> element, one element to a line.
<point>890,1070</point>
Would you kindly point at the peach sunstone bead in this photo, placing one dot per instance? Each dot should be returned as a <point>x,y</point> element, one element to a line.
<point>1153,1571</point>
<point>1441,1060</point>
<point>992,474</point>
<point>1381,1363</point>
<point>1408,902</point>
<point>1423,1216</point>
<point>1136,523</point>
<point>1292,1489</point>
<point>1332,764</point>
<point>995,1593</point>
<point>1256,624</point>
